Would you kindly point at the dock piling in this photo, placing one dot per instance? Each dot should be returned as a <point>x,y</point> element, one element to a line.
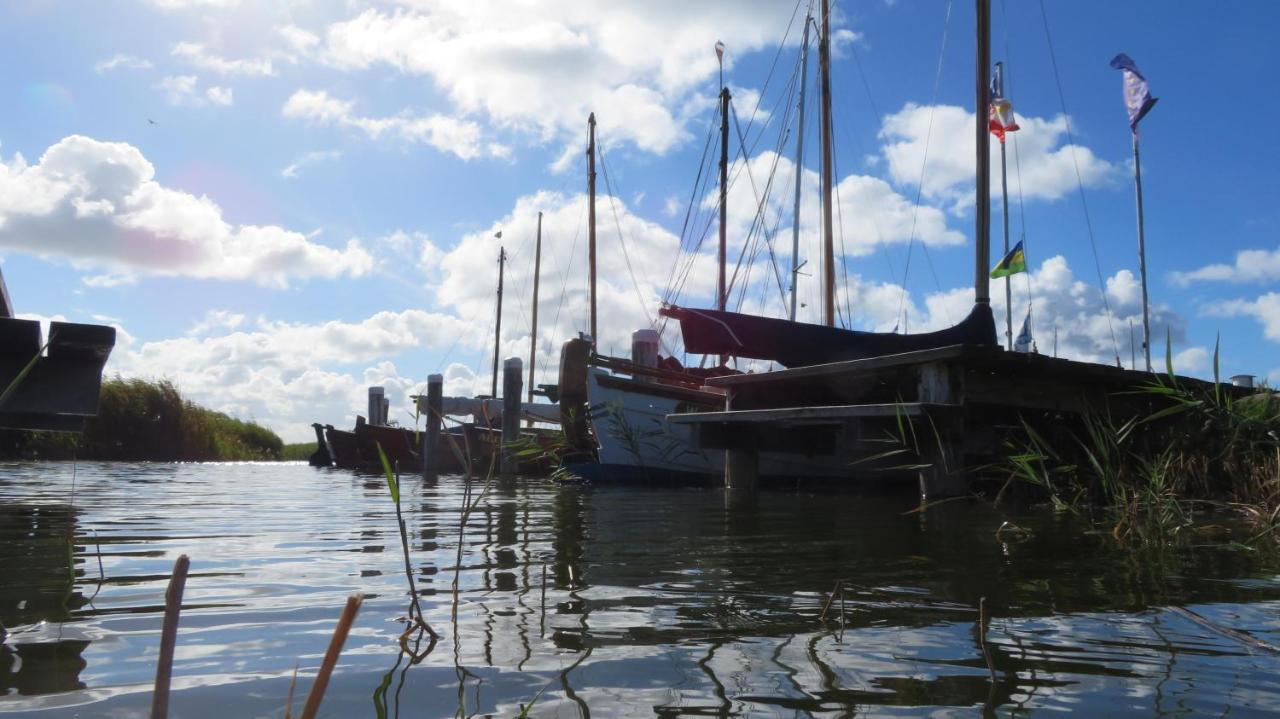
<point>431,437</point>
<point>512,384</point>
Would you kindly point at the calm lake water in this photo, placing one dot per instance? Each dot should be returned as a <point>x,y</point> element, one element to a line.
<point>663,602</point>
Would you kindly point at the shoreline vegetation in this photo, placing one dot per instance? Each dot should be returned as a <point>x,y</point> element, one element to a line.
<point>144,420</point>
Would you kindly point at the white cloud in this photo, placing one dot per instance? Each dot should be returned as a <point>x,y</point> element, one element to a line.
<point>185,90</point>
<point>122,60</point>
<point>216,320</point>
<point>448,134</point>
<point>1047,168</point>
<point>200,56</point>
<point>1075,307</point>
<point>97,204</point>
<point>1265,309</point>
<point>260,373</point>
<point>1250,266</point>
<point>542,67</point>
<point>294,169</point>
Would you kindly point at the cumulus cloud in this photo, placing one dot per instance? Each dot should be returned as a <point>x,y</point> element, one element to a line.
<point>260,373</point>
<point>185,90</point>
<point>200,56</point>
<point>1250,266</point>
<point>98,204</point>
<point>1047,168</point>
<point>543,67</point>
<point>1265,309</point>
<point>1059,299</point>
<point>295,168</point>
<point>448,134</point>
<point>122,60</point>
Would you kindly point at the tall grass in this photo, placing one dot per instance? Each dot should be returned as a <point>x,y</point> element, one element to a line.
<point>143,420</point>
<point>1199,443</point>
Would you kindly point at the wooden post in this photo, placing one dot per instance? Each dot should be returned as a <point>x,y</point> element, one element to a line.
<point>941,431</point>
<point>431,437</point>
<point>982,214</point>
<point>169,637</point>
<point>722,290</point>
<point>644,351</point>
<point>591,218</point>
<point>828,242</point>
<point>497,325</point>
<point>742,463</point>
<point>511,379</point>
<point>533,333</point>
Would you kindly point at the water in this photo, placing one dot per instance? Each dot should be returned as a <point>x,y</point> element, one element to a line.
<point>667,602</point>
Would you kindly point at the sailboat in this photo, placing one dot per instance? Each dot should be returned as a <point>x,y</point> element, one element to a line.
<point>627,415</point>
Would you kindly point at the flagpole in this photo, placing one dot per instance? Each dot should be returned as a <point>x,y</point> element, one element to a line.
<point>1142,252</point>
<point>1004,194</point>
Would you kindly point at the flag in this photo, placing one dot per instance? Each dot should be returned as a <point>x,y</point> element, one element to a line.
<point>719,51</point>
<point>1002,118</point>
<point>1137,96</point>
<point>1024,343</point>
<point>1012,264</point>
<point>1000,113</point>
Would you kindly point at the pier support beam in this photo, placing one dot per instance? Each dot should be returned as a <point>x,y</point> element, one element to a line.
<point>942,439</point>
<point>741,469</point>
<point>512,385</point>
<point>431,436</point>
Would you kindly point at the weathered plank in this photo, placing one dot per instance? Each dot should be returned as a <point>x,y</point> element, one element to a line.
<point>950,352</point>
<point>808,415</point>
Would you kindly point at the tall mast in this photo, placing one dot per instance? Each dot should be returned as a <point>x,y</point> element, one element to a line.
<point>722,290</point>
<point>828,244</point>
<point>497,325</point>
<point>591,216</point>
<point>533,334</point>
<point>1142,252</point>
<point>982,225</point>
<point>998,86</point>
<point>795,223</point>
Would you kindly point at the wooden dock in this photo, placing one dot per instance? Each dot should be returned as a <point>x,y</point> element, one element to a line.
<point>957,404</point>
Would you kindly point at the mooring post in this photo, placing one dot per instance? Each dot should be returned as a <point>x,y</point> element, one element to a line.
<point>431,437</point>
<point>742,463</point>
<point>942,439</point>
<point>512,384</point>
<point>644,351</point>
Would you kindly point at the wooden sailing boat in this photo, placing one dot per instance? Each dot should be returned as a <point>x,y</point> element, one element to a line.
<point>628,415</point>
<point>795,344</point>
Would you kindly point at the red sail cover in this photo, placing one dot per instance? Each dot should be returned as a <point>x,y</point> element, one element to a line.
<point>798,344</point>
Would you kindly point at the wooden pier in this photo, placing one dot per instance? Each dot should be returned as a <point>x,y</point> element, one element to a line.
<point>952,407</point>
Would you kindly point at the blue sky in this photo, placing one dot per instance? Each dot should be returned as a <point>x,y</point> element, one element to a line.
<point>279,204</point>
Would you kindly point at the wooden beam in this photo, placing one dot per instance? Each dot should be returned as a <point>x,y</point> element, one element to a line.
<point>808,415</point>
<point>853,366</point>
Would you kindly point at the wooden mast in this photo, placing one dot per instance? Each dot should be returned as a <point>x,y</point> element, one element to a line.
<point>828,245</point>
<point>795,223</point>
<point>533,333</point>
<point>497,325</point>
<point>982,215</point>
<point>722,291</point>
<point>591,217</point>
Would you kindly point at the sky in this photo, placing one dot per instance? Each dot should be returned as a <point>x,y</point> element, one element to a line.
<point>280,204</point>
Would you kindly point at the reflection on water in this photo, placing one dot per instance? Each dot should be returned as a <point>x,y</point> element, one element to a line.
<point>607,601</point>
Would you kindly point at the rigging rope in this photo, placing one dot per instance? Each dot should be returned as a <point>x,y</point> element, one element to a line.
<point>1097,264</point>
<point>924,163</point>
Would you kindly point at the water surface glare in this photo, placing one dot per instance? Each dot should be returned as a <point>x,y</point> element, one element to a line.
<point>658,601</point>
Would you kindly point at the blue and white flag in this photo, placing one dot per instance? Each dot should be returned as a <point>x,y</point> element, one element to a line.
<point>1137,96</point>
<point>1024,343</point>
